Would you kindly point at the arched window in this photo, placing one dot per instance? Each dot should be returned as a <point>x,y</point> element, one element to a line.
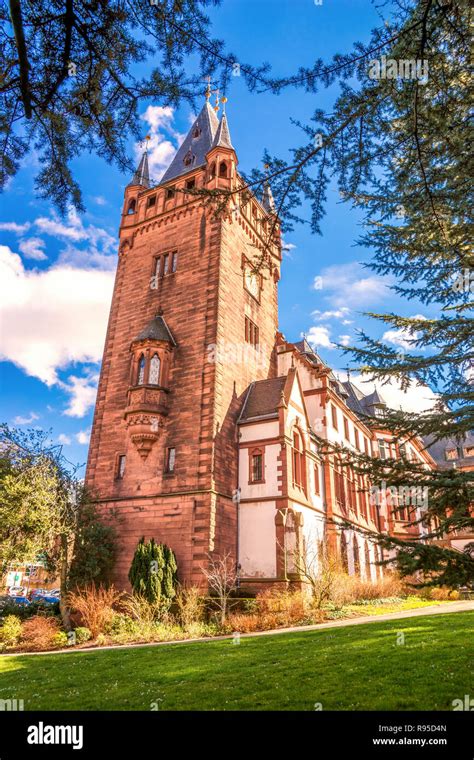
<point>155,366</point>
<point>298,460</point>
<point>132,206</point>
<point>223,169</point>
<point>344,561</point>
<point>141,370</point>
<point>355,550</point>
<point>212,171</point>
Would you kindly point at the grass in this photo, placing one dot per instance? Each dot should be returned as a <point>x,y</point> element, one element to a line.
<point>349,668</point>
<point>382,606</point>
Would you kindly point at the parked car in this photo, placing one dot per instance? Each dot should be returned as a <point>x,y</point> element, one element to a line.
<point>19,599</point>
<point>45,595</point>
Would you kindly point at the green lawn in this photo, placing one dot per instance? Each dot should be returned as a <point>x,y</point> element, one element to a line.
<point>352,668</point>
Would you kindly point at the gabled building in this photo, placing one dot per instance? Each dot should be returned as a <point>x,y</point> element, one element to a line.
<point>209,426</point>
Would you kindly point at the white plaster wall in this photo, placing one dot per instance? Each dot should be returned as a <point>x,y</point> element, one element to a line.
<point>259,431</point>
<point>257,539</point>
<point>259,490</point>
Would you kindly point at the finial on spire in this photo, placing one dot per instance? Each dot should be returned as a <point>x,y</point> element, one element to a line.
<point>216,107</point>
<point>208,92</point>
<point>223,101</point>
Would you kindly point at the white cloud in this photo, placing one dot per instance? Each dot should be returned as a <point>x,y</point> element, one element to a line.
<point>83,436</point>
<point>73,230</point>
<point>99,199</point>
<point>32,248</point>
<point>19,420</point>
<point>83,391</point>
<point>161,149</point>
<point>344,340</point>
<point>319,336</point>
<point>64,439</point>
<point>18,229</point>
<point>55,317</point>
<point>349,285</point>
<point>417,398</point>
<point>320,316</point>
<point>403,337</point>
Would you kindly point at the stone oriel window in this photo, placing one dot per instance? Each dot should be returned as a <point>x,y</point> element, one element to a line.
<point>132,206</point>
<point>141,370</point>
<point>169,193</point>
<point>151,201</point>
<point>170,460</point>
<point>212,171</point>
<point>190,184</point>
<point>155,366</point>
<point>256,466</point>
<point>223,169</point>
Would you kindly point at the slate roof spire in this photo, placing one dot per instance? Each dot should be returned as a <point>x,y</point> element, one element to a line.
<point>197,143</point>
<point>142,174</point>
<point>222,138</point>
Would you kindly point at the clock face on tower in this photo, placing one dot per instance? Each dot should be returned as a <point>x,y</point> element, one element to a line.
<point>252,282</point>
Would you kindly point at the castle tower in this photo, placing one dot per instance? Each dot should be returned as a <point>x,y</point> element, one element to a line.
<point>191,325</point>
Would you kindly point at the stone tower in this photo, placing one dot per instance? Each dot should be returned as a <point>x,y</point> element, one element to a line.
<point>191,325</point>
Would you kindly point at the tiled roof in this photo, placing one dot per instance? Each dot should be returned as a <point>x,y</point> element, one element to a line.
<point>157,329</point>
<point>438,450</point>
<point>263,398</point>
<point>222,138</point>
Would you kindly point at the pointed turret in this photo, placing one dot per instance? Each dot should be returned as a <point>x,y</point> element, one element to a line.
<point>268,201</point>
<point>192,152</point>
<point>142,174</point>
<point>222,138</point>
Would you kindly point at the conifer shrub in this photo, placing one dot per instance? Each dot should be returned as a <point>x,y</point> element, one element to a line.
<point>153,572</point>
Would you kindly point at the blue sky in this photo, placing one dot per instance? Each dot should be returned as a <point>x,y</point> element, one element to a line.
<point>56,274</point>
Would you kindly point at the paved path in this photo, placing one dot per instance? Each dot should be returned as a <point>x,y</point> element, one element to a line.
<point>440,609</point>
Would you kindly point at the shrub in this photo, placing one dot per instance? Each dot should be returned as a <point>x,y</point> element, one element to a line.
<point>244,623</point>
<point>153,572</point>
<point>95,606</point>
<point>11,630</point>
<point>284,607</point>
<point>347,589</point>
<point>146,613</point>
<point>101,640</point>
<point>60,639</point>
<point>39,633</point>
<point>190,605</point>
<point>439,594</point>
<point>82,634</point>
